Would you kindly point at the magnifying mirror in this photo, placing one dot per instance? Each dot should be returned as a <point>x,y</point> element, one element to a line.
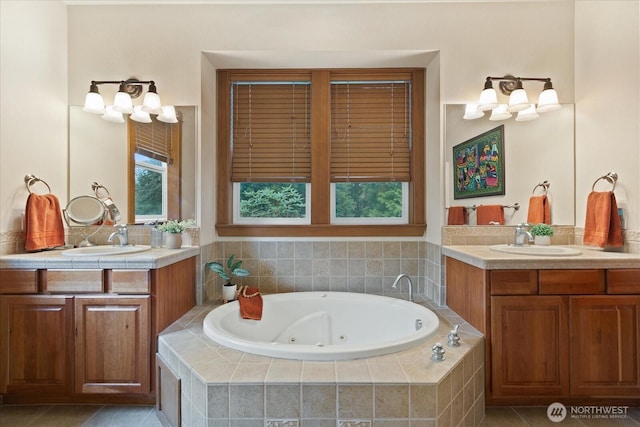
<point>85,211</point>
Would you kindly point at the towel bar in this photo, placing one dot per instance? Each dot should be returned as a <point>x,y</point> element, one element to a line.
<point>612,177</point>
<point>30,179</point>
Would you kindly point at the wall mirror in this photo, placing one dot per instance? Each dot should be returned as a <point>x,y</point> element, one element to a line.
<point>534,151</point>
<point>98,152</point>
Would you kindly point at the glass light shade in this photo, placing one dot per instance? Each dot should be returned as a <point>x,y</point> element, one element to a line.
<point>548,101</point>
<point>111,115</point>
<point>168,114</point>
<point>500,113</point>
<point>527,114</point>
<point>151,103</point>
<point>139,115</point>
<point>471,112</point>
<point>488,100</point>
<point>93,103</point>
<point>123,103</point>
<point>518,101</point>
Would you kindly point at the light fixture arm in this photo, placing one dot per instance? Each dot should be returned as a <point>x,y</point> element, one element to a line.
<point>508,83</point>
<point>132,86</point>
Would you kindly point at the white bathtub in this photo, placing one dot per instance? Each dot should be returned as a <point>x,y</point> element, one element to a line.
<point>323,326</point>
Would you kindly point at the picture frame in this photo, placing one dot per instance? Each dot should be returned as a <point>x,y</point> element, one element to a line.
<point>478,165</point>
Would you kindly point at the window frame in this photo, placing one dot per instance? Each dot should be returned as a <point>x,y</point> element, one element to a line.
<point>174,173</point>
<point>321,225</point>
<point>163,170</point>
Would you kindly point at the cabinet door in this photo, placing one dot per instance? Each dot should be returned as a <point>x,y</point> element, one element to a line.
<point>112,344</point>
<point>36,344</point>
<point>530,337</point>
<point>605,344</point>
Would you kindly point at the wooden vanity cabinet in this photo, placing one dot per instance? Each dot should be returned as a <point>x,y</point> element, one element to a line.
<point>554,333</point>
<point>36,344</point>
<point>87,335</point>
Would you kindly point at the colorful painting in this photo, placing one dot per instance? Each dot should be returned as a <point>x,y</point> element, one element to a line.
<point>479,165</point>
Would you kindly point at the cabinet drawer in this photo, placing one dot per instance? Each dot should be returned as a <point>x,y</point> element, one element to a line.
<point>18,281</point>
<point>76,281</point>
<point>130,282</point>
<point>571,282</point>
<point>514,282</point>
<point>624,281</point>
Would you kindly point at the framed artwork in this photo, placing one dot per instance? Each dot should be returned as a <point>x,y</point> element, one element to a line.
<point>478,165</point>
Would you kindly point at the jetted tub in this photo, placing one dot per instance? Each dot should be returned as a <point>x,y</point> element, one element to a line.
<point>323,326</point>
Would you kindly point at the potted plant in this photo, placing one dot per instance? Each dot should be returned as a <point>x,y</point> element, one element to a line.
<point>172,230</point>
<point>542,234</point>
<point>233,268</point>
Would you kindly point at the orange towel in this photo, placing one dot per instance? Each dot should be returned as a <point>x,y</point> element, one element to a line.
<point>250,303</point>
<point>489,213</point>
<point>602,224</point>
<point>43,222</point>
<point>539,210</point>
<point>457,215</point>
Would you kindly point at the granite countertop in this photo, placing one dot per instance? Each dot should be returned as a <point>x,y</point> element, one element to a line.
<point>150,259</point>
<point>482,256</point>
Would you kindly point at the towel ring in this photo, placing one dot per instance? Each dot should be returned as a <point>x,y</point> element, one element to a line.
<point>545,186</point>
<point>96,189</point>
<point>612,177</point>
<point>31,179</point>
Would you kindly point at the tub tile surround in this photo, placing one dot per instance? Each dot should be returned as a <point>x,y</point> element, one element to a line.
<point>344,266</point>
<point>225,387</point>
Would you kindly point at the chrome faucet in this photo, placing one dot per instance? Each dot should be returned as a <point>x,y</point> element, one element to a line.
<point>400,277</point>
<point>521,233</point>
<point>122,234</point>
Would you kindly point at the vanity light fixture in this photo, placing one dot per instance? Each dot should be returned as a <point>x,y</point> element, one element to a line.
<point>518,100</point>
<point>123,102</point>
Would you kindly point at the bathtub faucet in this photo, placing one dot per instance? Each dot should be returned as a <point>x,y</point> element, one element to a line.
<point>400,277</point>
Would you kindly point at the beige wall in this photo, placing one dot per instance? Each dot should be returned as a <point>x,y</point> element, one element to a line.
<point>33,103</point>
<point>608,102</point>
<point>166,43</point>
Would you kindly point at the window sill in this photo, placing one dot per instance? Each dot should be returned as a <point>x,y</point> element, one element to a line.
<point>415,230</point>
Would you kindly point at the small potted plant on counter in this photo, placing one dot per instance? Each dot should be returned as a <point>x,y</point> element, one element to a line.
<point>172,230</point>
<point>542,234</point>
<point>232,269</point>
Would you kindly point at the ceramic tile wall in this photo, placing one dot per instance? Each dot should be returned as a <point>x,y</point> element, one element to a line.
<point>345,266</point>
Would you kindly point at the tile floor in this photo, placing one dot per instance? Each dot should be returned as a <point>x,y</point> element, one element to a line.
<point>78,415</point>
<point>144,416</point>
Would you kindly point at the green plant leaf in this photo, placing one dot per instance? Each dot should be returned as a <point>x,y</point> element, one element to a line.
<point>240,272</point>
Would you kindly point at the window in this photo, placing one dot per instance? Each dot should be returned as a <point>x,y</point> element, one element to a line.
<point>154,170</point>
<point>321,152</point>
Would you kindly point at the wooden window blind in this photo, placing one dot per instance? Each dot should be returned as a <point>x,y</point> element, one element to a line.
<point>370,131</point>
<point>155,139</point>
<point>271,132</point>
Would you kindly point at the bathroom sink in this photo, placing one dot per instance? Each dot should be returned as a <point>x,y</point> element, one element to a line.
<point>536,250</point>
<point>105,250</point>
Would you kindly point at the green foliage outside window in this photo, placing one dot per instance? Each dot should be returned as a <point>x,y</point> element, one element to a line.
<point>353,200</point>
<point>148,192</point>
<point>369,200</point>
<point>272,200</point>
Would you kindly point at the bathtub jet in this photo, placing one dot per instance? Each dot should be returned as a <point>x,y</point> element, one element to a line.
<point>323,326</point>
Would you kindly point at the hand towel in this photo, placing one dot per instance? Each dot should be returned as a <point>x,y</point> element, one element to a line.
<point>539,210</point>
<point>486,214</point>
<point>602,223</point>
<point>43,222</point>
<point>457,215</point>
<point>250,302</point>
